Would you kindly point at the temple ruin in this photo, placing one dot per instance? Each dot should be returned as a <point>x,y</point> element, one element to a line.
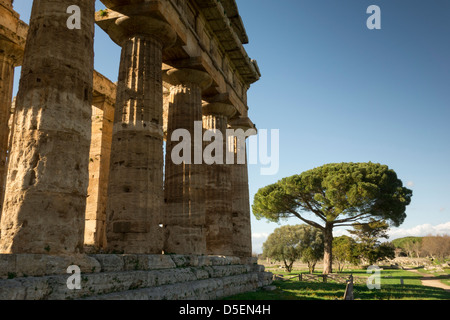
<point>86,169</point>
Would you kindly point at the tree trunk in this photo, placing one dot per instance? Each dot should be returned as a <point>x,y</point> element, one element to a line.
<point>289,266</point>
<point>328,244</point>
<point>311,267</point>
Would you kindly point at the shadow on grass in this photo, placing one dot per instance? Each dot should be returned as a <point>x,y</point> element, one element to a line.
<point>313,290</point>
<point>296,290</point>
<point>391,288</point>
<point>405,292</point>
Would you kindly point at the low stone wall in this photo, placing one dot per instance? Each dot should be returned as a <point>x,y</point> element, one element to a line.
<point>136,277</point>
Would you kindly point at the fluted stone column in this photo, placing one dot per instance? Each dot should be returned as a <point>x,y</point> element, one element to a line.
<point>100,155</point>
<point>47,178</point>
<point>218,195</point>
<point>241,217</point>
<point>184,192</point>
<point>11,55</point>
<point>135,190</point>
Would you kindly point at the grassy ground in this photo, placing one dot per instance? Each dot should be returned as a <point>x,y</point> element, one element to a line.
<point>391,289</point>
<point>446,278</point>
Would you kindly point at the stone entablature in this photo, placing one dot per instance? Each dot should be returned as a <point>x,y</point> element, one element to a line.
<point>11,27</point>
<point>206,40</point>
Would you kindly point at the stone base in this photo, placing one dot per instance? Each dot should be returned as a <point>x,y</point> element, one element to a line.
<point>128,277</point>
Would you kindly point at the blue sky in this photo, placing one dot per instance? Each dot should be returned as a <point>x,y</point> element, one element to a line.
<point>339,92</point>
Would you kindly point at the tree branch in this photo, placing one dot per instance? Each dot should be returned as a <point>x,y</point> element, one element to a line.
<point>358,223</point>
<point>315,211</point>
<point>312,223</point>
<point>346,225</point>
<point>352,218</point>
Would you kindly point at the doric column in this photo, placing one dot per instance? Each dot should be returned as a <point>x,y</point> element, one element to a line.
<point>135,190</point>
<point>184,192</point>
<point>45,198</point>
<point>242,233</point>
<point>99,157</point>
<point>11,55</point>
<point>13,34</point>
<point>218,208</point>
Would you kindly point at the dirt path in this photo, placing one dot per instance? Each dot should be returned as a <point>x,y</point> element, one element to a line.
<point>430,282</point>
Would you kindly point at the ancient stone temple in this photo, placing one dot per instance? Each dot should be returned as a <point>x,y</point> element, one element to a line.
<point>87,167</point>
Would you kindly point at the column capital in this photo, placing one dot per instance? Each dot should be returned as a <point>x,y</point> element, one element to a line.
<point>243,123</point>
<point>121,27</point>
<point>219,108</point>
<point>183,76</point>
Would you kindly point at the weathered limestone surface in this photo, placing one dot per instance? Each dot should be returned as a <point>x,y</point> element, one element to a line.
<point>13,33</point>
<point>134,277</point>
<point>184,192</point>
<point>45,197</point>
<point>135,190</point>
<point>6,3</point>
<point>218,207</point>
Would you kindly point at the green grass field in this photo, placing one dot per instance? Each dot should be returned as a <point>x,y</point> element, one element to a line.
<point>391,289</point>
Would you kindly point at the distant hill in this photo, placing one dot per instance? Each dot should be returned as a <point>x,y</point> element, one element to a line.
<point>437,247</point>
<point>405,241</point>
